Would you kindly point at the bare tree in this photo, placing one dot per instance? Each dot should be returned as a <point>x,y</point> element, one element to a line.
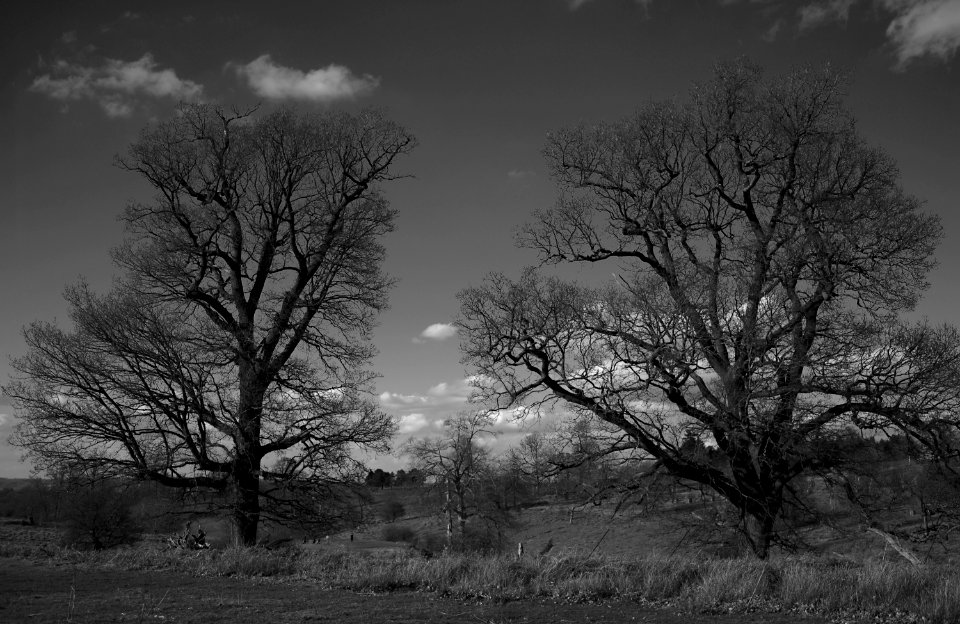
<point>531,458</point>
<point>242,328</point>
<point>764,252</point>
<point>457,465</point>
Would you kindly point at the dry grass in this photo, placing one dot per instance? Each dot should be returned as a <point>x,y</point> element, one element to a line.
<point>797,583</point>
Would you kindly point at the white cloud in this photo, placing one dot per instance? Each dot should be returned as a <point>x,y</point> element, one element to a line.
<point>918,28</point>
<point>393,398</point>
<point>439,331</point>
<point>924,28</point>
<point>276,82</point>
<point>440,402</point>
<point>413,423</point>
<point>520,174</point>
<point>4,419</point>
<point>443,397</point>
<point>508,419</point>
<point>819,13</point>
<point>115,85</point>
<point>441,389</point>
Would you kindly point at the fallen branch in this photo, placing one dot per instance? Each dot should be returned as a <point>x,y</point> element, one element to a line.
<point>894,542</point>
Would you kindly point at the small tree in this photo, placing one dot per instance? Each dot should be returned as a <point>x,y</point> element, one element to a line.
<point>531,457</point>
<point>99,515</point>
<point>764,252</point>
<point>457,465</point>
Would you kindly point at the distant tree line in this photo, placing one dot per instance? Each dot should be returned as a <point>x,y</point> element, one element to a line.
<point>401,478</point>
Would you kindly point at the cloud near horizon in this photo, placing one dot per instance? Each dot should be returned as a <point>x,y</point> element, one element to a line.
<point>117,86</point>
<point>424,414</point>
<point>327,84</point>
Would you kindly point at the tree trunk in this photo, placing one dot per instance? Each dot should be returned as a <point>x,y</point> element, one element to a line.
<point>462,515</point>
<point>449,519</point>
<point>246,469</point>
<point>759,532</point>
<point>246,513</point>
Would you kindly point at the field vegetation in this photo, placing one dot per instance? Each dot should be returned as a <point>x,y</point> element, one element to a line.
<point>878,590</point>
<point>669,552</point>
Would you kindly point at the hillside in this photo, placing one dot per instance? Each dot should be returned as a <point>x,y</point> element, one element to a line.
<point>688,523</point>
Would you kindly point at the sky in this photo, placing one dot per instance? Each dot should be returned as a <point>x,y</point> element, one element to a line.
<point>479,83</point>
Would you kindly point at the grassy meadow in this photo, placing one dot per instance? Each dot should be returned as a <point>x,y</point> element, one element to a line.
<point>656,564</point>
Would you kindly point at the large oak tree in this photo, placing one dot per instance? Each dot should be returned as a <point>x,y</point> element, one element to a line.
<point>240,332</point>
<point>763,252</point>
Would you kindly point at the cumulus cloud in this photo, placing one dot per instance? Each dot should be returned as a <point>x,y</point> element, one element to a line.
<point>819,13</point>
<point>438,331</point>
<point>413,423</point>
<point>277,82</point>
<point>930,28</point>
<point>441,389</point>
<point>115,85</point>
<point>509,419</point>
<point>442,396</point>
<point>425,413</point>
<point>394,398</point>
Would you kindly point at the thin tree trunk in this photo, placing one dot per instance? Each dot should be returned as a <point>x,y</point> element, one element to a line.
<point>462,515</point>
<point>449,506</point>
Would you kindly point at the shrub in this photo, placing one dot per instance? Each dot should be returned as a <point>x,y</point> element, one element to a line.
<point>392,510</point>
<point>393,533</point>
<point>430,542</point>
<point>483,539</point>
<point>99,516</point>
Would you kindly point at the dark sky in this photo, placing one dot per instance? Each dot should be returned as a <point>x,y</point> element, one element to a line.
<point>479,83</point>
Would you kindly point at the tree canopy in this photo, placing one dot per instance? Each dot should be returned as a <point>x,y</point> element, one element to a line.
<point>241,328</point>
<point>764,253</point>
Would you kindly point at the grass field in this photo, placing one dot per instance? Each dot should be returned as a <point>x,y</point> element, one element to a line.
<point>601,568</point>
<point>41,593</point>
<point>296,584</point>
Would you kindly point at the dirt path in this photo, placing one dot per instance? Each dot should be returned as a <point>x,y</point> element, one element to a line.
<point>34,593</point>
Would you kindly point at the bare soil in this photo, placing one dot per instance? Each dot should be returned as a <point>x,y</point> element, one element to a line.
<point>36,593</point>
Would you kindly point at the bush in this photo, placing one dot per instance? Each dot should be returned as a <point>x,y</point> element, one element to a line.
<point>392,510</point>
<point>99,516</point>
<point>430,542</point>
<point>395,533</point>
<point>483,539</point>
